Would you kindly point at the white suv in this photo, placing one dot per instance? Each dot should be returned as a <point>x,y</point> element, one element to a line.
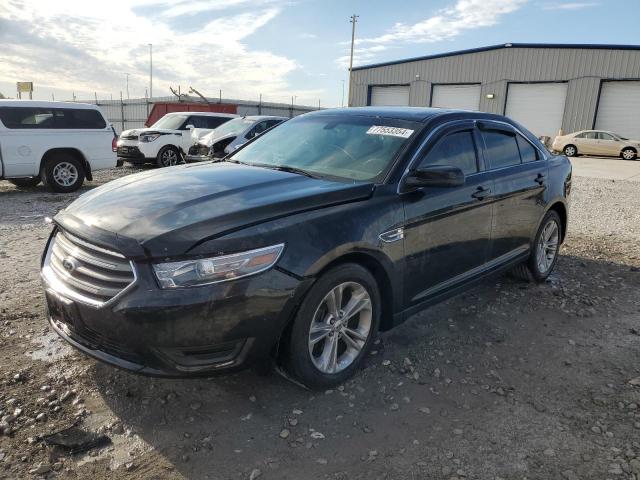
<point>167,140</point>
<point>57,143</point>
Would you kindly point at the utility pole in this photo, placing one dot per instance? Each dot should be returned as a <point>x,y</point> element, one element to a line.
<point>151,70</point>
<point>354,20</point>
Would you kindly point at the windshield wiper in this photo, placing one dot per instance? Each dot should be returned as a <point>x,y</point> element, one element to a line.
<point>285,168</point>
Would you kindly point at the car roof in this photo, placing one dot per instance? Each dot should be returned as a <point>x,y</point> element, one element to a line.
<point>257,118</point>
<point>413,114</point>
<point>205,114</point>
<point>586,131</point>
<point>45,104</point>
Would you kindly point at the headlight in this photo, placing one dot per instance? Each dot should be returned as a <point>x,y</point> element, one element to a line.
<point>204,271</point>
<point>149,138</point>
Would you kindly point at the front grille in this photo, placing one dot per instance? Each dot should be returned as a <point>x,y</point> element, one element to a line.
<point>199,150</point>
<point>125,151</point>
<point>86,272</point>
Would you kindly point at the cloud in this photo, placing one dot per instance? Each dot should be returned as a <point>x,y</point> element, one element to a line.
<point>444,24</point>
<point>71,45</point>
<point>307,35</point>
<point>569,6</point>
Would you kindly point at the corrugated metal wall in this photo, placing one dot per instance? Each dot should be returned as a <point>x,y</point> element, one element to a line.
<point>134,112</point>
<point>582,68</point>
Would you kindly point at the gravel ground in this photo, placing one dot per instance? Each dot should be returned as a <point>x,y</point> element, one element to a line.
<point>506,381</point>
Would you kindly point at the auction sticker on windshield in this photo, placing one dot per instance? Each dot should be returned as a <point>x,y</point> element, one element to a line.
<point>389,131</point>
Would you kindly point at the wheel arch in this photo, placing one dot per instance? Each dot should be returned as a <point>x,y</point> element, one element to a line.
<point>561,209</point>
<point>381,275</point>
<point>76,153</point>
<point>628,147</point>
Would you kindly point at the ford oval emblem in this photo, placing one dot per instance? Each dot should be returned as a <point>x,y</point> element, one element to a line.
<point>69,264</point>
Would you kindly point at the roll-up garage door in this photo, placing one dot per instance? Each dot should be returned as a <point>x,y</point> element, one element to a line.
<point>619,108</point>
<point>464,97</point>
<point>537,106</point>
<point>391,96</point>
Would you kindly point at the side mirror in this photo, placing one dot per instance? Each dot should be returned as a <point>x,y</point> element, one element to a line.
<point>435,176</point>
<point>190,127</point>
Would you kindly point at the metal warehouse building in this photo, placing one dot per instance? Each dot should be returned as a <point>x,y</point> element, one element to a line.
<point>545,87</point>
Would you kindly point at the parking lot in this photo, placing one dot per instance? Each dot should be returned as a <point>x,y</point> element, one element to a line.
<point>510,380</point>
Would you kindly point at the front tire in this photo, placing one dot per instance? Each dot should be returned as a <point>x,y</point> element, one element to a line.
<point>168,156</point>
<point>334,327</point>
<point>570,151</point>
<point>29,182</point>
<point>629,154</point>
<point>63,173</point>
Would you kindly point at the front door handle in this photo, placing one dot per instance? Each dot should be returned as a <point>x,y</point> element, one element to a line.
<point>481,193</point>
<point>540,178</point>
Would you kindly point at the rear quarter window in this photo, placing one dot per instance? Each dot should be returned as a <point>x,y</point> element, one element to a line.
<point>527,151</point>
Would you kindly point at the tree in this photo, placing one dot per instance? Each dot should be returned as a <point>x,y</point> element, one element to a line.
<point>2,96</point>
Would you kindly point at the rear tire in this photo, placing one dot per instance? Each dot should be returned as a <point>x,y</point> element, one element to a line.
<point>29,182</point>
<point>570,151</point>
<point>544,251</point>
<point>63,173</point>
<point>334,327</point>
<point>629,154</point>
<point>168,156</point>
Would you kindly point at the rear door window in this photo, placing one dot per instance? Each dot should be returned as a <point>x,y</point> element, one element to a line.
<point>501,148</point>
<point>604,136</point>
<point>455,150</point>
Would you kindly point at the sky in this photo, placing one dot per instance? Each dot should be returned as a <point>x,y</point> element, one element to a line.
<point>275,48</point>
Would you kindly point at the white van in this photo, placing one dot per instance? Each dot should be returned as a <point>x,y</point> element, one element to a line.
<point>57,143</point>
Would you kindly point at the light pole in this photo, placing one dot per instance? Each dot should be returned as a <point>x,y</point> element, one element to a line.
<point>342,104</point>
<point>354,20</point>
<point>127,85</point>
<point>151,70</point>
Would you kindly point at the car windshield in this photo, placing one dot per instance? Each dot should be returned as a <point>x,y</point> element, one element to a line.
<point>232,127</point>
<point>351,148</point>
<point>170,122</point>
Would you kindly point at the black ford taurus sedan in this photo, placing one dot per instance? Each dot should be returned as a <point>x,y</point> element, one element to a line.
<point>304,242</point>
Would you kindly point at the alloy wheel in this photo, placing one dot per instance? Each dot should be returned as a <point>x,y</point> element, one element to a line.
<point>169,158</point>
<point>65,174</point>
<point>547,247</point>
<point>628,154</point>
<point>570,151</point>
<point>340,327</point>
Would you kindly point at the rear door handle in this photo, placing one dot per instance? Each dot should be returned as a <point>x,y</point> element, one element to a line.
<point>481,193</point>
<point>540,178</point>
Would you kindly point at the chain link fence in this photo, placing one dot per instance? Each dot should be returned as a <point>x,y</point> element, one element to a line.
<point>133,113</point>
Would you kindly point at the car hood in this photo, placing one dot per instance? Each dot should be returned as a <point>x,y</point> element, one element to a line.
<point>139,131</point>
<point>166,212</point>
<point>197,134</point>
<point>211,138</point>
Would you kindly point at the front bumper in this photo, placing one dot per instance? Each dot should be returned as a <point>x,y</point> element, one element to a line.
<point>135,151</point>
<point>196,158</point>
<point>182,332</point>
